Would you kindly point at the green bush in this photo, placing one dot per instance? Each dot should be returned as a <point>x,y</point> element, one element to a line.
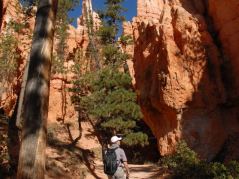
<point>233,167</point>
<point>183,162</point>
<point>8,57</point>
<point>186,164</point>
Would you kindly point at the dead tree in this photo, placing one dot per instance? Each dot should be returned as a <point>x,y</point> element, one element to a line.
<point>1,13</point>
<point>35,108</point>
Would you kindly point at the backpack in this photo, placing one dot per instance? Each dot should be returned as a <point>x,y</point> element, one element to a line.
<point>110,162</point>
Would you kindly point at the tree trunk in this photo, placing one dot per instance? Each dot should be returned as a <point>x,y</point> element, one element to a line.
<point>35,110</point>
<point>19,120</point>
<point>1,13</point>
<point>13,142</point>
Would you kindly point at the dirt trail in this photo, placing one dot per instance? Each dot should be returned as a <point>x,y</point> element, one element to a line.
<point>83,160</point>
<point>148,171</point>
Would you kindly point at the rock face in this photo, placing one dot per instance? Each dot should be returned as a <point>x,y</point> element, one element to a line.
<point>185,72</point>
<point>60,105</point>
<point>12,13</point>
<point>185,66</point>
<point>225,15</point>
<point>3,6</point>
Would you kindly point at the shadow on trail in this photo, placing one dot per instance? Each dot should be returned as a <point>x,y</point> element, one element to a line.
<point>74,141</point>
<point>153,173</point>
<point>73,155</point>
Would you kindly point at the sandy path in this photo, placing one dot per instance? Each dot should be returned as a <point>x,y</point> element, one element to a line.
<point>148,171</point>
<point>82,161</point>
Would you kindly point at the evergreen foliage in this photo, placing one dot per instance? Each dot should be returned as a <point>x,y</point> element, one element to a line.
<point>112,101</point>
<point>92,52</point>
<point>10,59</point>
<point>186,164</point>
<point>126,40</point>
<point>112,17</point>
<point>3,139</point>
<point>8,54</point>
<point>107,94</point>
<point>61,34</point>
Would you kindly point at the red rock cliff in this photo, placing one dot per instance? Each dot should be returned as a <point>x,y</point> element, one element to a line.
<point>3,6</point>
<point>225,15</point>
<point>60,106</point>
<point>12,12</point>
<point>186,62</point>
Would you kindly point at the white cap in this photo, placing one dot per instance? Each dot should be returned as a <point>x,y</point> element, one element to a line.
<point>115,139</point>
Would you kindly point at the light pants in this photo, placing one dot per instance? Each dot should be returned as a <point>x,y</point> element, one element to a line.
<point>119,174</point>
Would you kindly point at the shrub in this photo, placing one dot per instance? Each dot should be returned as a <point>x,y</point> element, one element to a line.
<point>186,164</point>
<point>233,167</point>
<point>183,162</point>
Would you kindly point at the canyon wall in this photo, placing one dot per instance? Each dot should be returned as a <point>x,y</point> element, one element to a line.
<point>225,15</point>
<point>60,106</point>
<point>185,66</point>
<point>3,7</point>
<point>12,16</point>
<point>186,62</point>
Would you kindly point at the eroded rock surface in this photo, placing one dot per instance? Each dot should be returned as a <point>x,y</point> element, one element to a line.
<point>185,64</point>
<point>180,70</point>
<point>60,106</point>
<point>13,16</point>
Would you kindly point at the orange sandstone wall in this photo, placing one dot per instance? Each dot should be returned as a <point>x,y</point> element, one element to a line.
<point>225,15</point>
<point>179,71</point>
<point>60,107</point>
<point>13,12</point>
<point>3,6</point>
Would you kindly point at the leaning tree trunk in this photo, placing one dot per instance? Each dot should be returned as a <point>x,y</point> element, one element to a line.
<point>19,119</point>
<point>1,13</point>
<point>32,153</point>
<point>13,141</point>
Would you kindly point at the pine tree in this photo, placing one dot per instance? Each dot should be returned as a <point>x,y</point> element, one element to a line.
<point>110,99</point>
<point>8,57</point>
<point>61,34</point>
<point>59,56</point>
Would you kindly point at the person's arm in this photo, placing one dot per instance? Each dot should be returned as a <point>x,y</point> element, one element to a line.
<point>127,168</point>
<point>125,163</point>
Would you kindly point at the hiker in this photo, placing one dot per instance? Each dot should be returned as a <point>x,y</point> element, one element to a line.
<point>121,170</point>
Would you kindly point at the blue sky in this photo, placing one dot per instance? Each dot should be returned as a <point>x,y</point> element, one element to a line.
<point>99,4</point>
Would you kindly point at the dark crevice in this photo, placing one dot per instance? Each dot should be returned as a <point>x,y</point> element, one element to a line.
<point>211,27</point>
<point>228,149</point>
<point>225,63</point>
<point>226,66</point>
